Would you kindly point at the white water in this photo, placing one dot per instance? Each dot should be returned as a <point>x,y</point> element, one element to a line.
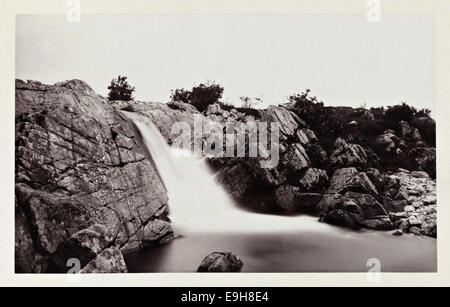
<point>198,203</point>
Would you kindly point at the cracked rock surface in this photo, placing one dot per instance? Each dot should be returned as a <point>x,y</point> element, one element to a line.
<point>80,162</point>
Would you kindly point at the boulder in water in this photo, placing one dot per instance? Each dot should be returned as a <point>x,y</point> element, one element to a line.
<point>220,262</point>
<point>398,232</point>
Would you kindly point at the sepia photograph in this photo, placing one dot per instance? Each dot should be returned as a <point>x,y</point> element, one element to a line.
<point>183,143</point>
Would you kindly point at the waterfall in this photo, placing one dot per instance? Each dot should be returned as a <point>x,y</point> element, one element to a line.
<point>197,203</point>
<point>209,220</point>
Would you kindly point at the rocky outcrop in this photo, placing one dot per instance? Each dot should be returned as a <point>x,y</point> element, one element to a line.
<point>389,143</point>
<point>289,122</point>
<point>347,154</point>
<point>410,132</point>
<point>220,262</point>
<point>352,201</point>
<point>80,162</point>
<point>405,200</point>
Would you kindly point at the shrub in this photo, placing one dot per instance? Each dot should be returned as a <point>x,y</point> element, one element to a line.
<point>200,96</point>
<point>119,89</point>
<point>322,120</point>
<point>425,112</point>
<point>180,95</point>
<point>203,95</point>
<point>400,112</point>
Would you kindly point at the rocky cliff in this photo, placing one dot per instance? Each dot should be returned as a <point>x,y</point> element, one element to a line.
<point>87,188</point>
<point>80,163</point>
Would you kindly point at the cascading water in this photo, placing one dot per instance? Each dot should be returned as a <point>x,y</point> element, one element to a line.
<point>209,220</point>
<point>197,202</point>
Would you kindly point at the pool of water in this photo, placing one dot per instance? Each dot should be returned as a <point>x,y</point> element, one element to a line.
<point>333,250</point>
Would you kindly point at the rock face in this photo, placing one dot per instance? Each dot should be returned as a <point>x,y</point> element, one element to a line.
<point>80,162</point>
<point>220,262</point>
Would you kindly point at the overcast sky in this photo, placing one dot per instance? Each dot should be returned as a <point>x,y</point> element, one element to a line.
<point>343,59</point>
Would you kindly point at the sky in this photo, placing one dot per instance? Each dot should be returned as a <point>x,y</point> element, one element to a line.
<point>343,59</point>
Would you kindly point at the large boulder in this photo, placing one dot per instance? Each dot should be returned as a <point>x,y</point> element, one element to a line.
<point>80,161</point>
<point>409,132</point>
<point>347,154</point>
<point>289,123</point>
<point>109,260</point>
<point>313,180</point>
<point>351,200</point>
<point>405,128</point>
<point>220,262</point>
<point>291,199</point>
<point>349,179</point>
<point>285,197</point>
<point>83,246</point>
<point>390,143</point>
<point>295,158</point>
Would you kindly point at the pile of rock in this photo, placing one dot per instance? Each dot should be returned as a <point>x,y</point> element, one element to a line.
<point>413,208</point>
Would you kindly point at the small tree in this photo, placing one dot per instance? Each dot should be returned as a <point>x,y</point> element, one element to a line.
<point>322,120</point>
<point>119,89</point>
<point>180,95</point>
<point>205,94</point>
